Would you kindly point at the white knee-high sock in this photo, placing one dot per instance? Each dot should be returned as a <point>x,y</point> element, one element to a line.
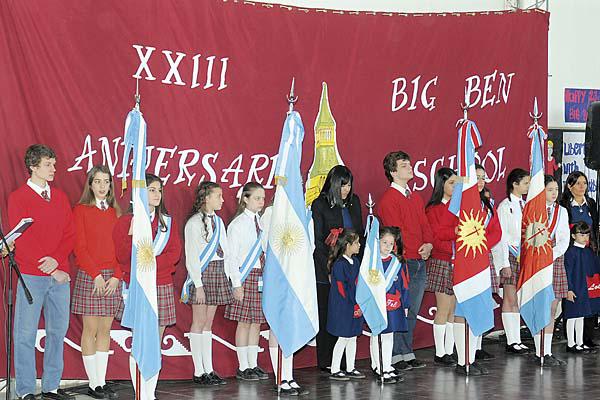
<point>459,341</point>
<point>242,355</point>
<point>387,345</point>
<point>287,371</point>
<point>148,388</point>
<point>516,325</point>
<point>89,363</point>
<point>374,348</point>
<point>548,344</point>
<point>579,331</point>
<point>101,366</point>
<point>449,339</point>
<point>350,353</point>
<point>338,352</point>
<point>207,351</point>
<point>273,353</point>
<point>132,371</point>
<point>196,350</point>
<point>537,341</point>
<point>472,346</point>
<point>479,339</point>
<point>571,332</point>
<point>439,332</point>
<point>253,356</point>
<point>508,329</point>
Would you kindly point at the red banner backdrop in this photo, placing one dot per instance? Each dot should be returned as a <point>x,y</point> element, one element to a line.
<point>213,79</point>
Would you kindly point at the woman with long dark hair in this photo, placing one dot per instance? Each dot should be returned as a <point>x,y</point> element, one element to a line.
<point>336,207</point>
<point>582,207</point>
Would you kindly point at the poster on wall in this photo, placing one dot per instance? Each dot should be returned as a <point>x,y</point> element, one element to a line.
<point>577,102</point>
<point>573,160</point>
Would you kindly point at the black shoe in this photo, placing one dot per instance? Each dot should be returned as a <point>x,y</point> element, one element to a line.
<point>301,391</point>
<point>444,361</point>
<point>246,375</point>
<point>524,348</point>
<point>591,344</point>
<point>549,361</point>
<point>402,366</point>
<point>59,395</point>
<point>589,349</point>
<point>462,370</point>
<point>414,364</point>
<point>395,374</point>
<point>515,349</point>
<point>558,360</point>
<point>97,393</point>
<point>204,380</point>
<point>109,393</point>
<point>481,368</point>
<point>288,391</point>
<point>482,355</point>
<point>339,376</point>
<point>216,378</point>
<point>262,375</point>
<point>28,397</point>
<point>326,370</point>
<point>577,350</point>
<point>388,379</point>
<point>355,374</point>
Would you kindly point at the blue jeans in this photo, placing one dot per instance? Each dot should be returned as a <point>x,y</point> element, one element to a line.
<point>54,298</point>
<point>403,341</point>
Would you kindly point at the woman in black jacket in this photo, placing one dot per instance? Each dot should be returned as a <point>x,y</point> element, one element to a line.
<point>336,207</point>
<point>582,207</point>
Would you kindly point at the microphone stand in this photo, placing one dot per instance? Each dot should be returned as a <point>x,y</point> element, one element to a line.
<point>12,265</point>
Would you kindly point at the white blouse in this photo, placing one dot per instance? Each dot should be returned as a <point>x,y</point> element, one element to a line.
<point>562,234</point>
<point>510,214</point>
<point>241,235</point>
<point>195,244</point>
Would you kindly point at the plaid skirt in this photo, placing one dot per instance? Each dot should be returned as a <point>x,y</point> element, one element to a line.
<point>250,309</point>
<point>559,279</point>
<point>83,302</point>
<point>439,276</point>
<point>515,267</point>
<point>217,288</point>
<point>166,305</point>
<point>493,276</point>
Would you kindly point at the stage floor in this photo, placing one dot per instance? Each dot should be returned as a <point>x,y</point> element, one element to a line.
<point>511,377</point>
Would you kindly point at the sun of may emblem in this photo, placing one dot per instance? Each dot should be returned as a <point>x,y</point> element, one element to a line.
<point>374,277</point>
<point>471,233</point>
<point>288,238</point>
<point>536,236</point>
<point>145,255</point>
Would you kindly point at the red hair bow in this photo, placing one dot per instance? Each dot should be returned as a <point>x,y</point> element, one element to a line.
<point>332,238</point>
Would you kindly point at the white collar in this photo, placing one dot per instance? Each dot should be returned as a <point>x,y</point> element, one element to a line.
<point>38,189</point>
<point>581,246</point>
<point>574,203</point>
<point>99,203</point>
<point>251,214</point>
<point>516,198</point>
<point>445,201</point>
<point>152,215</point>
<point>350,260</point>
<point>399,188</point>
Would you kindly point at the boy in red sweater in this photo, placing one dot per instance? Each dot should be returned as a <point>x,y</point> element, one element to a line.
<point>401,208</point>
<point>43,255</point>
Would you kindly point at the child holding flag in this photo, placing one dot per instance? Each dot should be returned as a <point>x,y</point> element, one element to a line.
<point>246,251</point>
<point>397,301</point>
<point>580,262</point>
<point>209,271</point>
<point>345,318</point>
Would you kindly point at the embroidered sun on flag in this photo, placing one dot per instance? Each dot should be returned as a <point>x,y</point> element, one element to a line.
<point>371,287</point>
<point>472,284</point>
<point>289,284</point>
<point>141,309</point>
<point>534,288</point>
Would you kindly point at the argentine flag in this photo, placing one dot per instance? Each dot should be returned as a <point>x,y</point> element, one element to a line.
<point>289,287</point>
<point>371,286</point>
<point>141,309</point>
<point>534,289</point>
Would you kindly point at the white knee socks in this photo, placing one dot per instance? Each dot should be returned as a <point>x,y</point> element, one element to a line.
<point>439,333</point>
<point>512,327</point>
<point>89,363</point>
<point>207,351</point>
<point>196,350</point>
<point>449,342</point>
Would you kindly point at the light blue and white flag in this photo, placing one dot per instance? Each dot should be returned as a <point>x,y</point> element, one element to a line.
<point>371,287</point>
<point>289,286</point>
<point>141,309</point>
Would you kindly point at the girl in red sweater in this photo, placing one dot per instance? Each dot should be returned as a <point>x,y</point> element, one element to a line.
<point>162,224</point>
<point>97,293</point>
<point>440,268</point>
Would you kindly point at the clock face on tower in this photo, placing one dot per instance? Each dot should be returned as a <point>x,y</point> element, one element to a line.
<point>471,233</point>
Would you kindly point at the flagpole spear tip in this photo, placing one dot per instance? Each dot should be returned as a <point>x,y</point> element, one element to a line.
<point>291,98</point>
<point>536,115</point>
<point>370,204</point>
<point>137,97</point>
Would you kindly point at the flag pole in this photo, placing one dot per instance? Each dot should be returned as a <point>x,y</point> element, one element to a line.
<point>467,361</point>
<point>542,348</point>
<point>138,375</point>
<point>279,368</point>
<point>370,206</point>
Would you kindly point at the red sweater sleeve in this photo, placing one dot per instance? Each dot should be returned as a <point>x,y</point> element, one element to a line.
<point>424,222</point>
<point>122,241</point>
<point>84,259</point>
<point>441,241</point>
<point>493,231</point>
<point>67,242</point>
<point>172,252</point>
<point>388,212</point>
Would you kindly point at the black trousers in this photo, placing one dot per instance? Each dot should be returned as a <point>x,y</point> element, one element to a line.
<point>589,324</point>
<point>325,340</point>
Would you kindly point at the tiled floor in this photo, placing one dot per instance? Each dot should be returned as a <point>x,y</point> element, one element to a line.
<point>511,377</point>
